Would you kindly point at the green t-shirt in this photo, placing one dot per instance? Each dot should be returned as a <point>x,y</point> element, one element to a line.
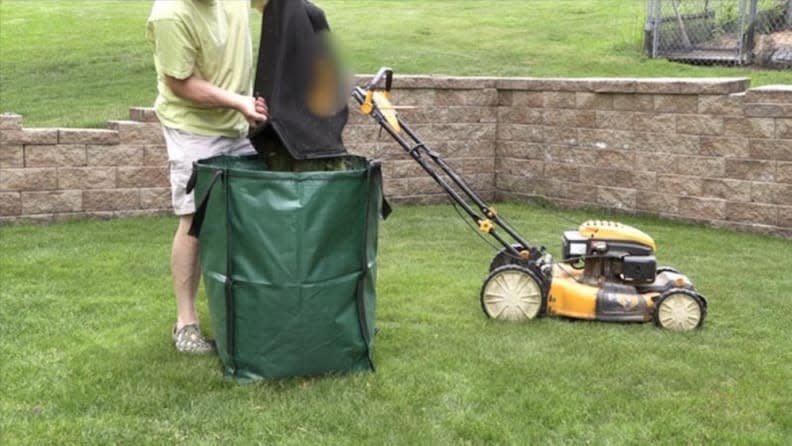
<point>210,39</point>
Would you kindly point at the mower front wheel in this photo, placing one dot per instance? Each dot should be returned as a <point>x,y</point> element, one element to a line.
<point>513,293</point>
<point>679,309</point>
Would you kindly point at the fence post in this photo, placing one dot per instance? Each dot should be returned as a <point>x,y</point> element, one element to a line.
<point>789,13</point>
<point>649,28</point>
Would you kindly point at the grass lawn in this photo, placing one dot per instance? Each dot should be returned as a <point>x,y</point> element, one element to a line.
<point>79,63</point>
<point>86,308</point>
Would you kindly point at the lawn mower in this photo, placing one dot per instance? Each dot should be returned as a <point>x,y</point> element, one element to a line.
<point>608,271</point>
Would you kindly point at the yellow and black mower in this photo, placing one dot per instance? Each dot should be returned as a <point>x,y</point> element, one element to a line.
<point>608,271</point>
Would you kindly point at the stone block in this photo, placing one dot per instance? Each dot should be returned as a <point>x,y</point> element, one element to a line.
<point>442,82</point>
<point>785,220</point>
<point>570,118</point>
<point>133,132</point>
<point>784,128</point>
<point>676,103</point>
<point>560,135</point>
<point>729,147</point>
<point>10,121</point>
<point>765,111</point>
<point>659,203</point>
<point>698,208</point>
<point>418,97</point>
<point>749,127</point>
<point>726,189</point>
<point>88,136</point>
<point>518,149</point>
<point>576,191</point>
<point>155,198</point>
<point>615,120</point>
<point>614,159</point>
<point>520,132</point>
<point>654,123</point>
<point>751,170</point>
<point>720,105</point>
<point>111,200</point>
<point>120,155</point>
<point>603,176</point>
<point>784,173</point>
<point>699,125</point>
<point>560,99</point>
<point>464,132</point>
<point>701,166</point>
<point>528,99</point>
<point>665,143</point>
<point>771,149</point>
<point>16,180</point>
<point>770,94</point>
<point>142,177</point>
<point>594,101</point>
<point>765,214</point>
<point>12,156</point>
<point>86,177</point>
<point>608,139</point>
<point>463,114</point>
<point>10,204</point>
<point>29,137</point>
<point>520,115</point>
<point>633,102</point>
<point>643,180</point>
<point>617,198</point>
<point>143,114</point>
<point>60,155</point>
<point>481,98</point>
<point>679,185</point>
<point>570,155</point>
<point>614,86</point>
<point>765,192</point>
<point>656,162</point>
<point>155,156</point>
<point>51,202</point>
<point>562,171</point>
<point>781,193</point>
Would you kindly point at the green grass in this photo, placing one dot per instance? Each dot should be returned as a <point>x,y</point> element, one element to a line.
<point>79,63</point>
<point>86,308</point>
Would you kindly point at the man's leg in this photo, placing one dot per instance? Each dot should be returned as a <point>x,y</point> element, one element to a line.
<point>186,273</point>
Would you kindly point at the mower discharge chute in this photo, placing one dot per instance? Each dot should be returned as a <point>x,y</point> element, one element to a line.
<point>608,271</point>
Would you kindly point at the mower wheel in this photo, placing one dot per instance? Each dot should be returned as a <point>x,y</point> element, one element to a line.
<point>679,309</point>
<point>513,293</point>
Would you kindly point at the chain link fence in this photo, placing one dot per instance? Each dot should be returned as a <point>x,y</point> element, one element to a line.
<point>737,32</point>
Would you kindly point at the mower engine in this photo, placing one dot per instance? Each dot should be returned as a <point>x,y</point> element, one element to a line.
<point>611,252</point>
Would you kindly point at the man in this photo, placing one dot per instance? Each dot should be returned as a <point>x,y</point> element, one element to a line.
<point>203,57</point>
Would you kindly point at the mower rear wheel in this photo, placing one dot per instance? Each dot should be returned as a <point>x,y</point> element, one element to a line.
<point>513,293</point>
<point>679,310</point>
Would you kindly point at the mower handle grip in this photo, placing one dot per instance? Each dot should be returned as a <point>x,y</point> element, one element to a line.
<point>384,72</point>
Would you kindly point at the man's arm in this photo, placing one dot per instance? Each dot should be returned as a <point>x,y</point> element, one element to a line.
<point>202,92</point>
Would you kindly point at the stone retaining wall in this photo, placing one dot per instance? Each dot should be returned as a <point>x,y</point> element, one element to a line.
<point>708,150</point>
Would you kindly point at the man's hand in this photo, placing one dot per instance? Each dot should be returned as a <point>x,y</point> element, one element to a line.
<point>204,93</point>
<point>254,109</point>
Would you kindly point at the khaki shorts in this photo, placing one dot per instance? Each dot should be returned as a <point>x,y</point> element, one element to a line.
<point>186,148</point>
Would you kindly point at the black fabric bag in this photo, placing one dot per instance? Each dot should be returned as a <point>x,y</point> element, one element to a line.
<point>301,82</point>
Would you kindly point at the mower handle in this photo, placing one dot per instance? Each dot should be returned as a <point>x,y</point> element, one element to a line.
<point>384,72</point>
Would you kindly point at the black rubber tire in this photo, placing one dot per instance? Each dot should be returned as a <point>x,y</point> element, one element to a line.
<point>503,279</point>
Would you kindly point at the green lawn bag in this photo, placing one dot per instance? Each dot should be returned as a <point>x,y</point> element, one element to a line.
<point>289,264</point>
